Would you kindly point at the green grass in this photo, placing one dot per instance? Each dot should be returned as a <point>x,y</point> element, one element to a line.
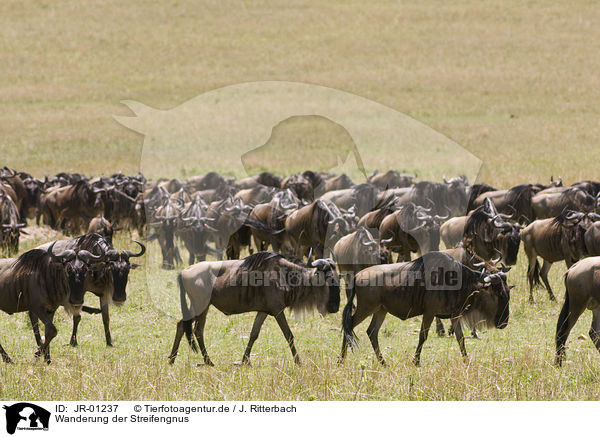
<point>511,364</point>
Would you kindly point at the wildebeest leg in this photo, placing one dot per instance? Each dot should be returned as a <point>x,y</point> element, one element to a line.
<point>199,334</point>
<point>569,314</point>
<point>595,328</point>
<point>176,342</point>
<point>5,356</point>
<point>106,321</point>
<point>50,332</point>
<point>258,321</point>
<point>36,330</point>
<point>373,331</point>
<point>287,333</point>
<point>460,338</point>
<point>76,320</point>
<point>425,325</point>
<point>439,327</point>
<point>544,274</point>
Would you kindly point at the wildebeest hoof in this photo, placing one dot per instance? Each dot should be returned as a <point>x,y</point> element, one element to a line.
<point>37,354</point>
<point>416,361</point>
<point>552,298</point>
<point>109,344</point>
<point>242,363</point>
<point>441,334</point>
<point>73,343</point>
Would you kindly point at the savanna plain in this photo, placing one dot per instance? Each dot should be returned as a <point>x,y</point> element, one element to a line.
<point>515,83</point>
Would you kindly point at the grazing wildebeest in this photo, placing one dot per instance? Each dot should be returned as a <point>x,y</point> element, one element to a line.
<point>435,285</point>
<point>265,282</point>
<point>107,280</point>
<point>547,205</point>
<point>554,239</point>
<point>40,281</point>
<point>582,291</point>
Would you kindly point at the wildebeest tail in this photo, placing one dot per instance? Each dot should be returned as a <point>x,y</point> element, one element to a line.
<point>188,318</point>
<point>562,319</point>
<point>347,319</point>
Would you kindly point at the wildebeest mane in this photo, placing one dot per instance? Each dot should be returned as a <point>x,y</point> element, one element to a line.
<point>476,191</point>
<point>30,262</point>
<point>259,260</point>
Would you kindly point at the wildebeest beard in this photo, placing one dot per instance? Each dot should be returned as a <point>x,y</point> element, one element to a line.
<point>488,308</point>
<point>510,247</point>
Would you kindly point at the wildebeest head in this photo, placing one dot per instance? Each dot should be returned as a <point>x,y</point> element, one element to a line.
<point>487,234</point>
<point>331,304</point>
<point>120,266</point>
<point>490,303</point>
<point>76,264</point>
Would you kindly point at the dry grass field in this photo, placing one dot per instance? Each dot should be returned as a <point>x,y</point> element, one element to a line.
<point>515,82</point>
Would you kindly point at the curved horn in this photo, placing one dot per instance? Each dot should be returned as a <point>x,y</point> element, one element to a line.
<point>140,253</point>
<point>65,256</point>
<point>87,256</point>
<point>416,228</point>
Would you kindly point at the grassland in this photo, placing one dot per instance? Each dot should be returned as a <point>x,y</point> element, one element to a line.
<point>516,83</point>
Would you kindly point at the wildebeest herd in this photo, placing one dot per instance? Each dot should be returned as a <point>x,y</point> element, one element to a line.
<point>306,234</point>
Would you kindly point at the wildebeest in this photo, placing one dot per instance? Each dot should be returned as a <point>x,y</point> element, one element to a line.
<point>10,226</point>
<point>265,282</point>
<point>410,229</point>
<point>488,235</point>
<point>390,179</point>
<point>360,197</point>
<point>107,280</point>
<point>101,226</point>
<point>40,281</point>
<point>355,252</point>
<point>453,230</point>
<point>582,291</point>
<point>273,215</point>
<point>554,239</point>
<point>551,204</point>
<point>435,285</point>
<point>300,185</point>
<point>314,226</point>
<point>516,201</point>
<point>71,205</point>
